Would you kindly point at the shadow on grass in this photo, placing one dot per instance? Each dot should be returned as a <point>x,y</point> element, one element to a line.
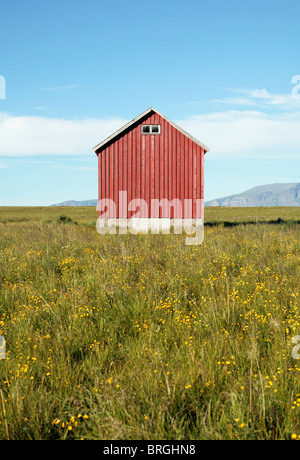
<point>62,219</point>
<point>278,221</point>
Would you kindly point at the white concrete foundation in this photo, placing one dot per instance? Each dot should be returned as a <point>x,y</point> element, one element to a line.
<point>193,228</point>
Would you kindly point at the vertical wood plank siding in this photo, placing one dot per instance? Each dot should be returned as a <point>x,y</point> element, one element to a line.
<point>158,166</point>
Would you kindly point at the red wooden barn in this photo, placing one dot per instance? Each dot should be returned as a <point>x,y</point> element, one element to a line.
<point>151,169</point>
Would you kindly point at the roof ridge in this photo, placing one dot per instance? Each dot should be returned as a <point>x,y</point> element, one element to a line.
<point>130,123</point>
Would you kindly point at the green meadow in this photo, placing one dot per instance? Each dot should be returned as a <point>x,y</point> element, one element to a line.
<point>144,337</point>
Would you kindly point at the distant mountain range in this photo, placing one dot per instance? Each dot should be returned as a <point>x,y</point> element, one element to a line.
<point>263,195</point>
<point>77,203</point>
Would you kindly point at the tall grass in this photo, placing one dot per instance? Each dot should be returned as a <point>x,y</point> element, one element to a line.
<point>143,337</point>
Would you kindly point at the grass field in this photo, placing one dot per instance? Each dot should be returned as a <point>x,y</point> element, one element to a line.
<point>143,337</point>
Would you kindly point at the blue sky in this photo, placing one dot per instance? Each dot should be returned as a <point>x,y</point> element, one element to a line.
<point>76,71</point>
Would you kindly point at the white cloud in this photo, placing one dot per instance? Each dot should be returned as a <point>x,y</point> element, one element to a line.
<point>250,134</point>
<point>262,98</point>
<point>41,108</point>
<point>31,136</point>
<point>236,101</point>
<point>233,133</point>
<point>59,88</point>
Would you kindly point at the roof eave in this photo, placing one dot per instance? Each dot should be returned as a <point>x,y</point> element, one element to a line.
<point>130,123</point>
<point>123,128</point>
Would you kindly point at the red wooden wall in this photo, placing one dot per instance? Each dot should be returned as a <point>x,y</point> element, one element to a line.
<point>167,165</point>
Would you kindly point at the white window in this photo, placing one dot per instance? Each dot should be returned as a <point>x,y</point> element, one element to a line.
<point>150,129</point>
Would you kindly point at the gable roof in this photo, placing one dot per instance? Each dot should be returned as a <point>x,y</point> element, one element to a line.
<point>142,115</point>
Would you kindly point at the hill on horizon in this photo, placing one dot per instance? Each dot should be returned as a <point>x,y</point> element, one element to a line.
<point>263,195</point>
<point>77,203</point>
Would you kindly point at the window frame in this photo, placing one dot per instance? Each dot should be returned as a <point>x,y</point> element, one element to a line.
<point>150,132</point>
